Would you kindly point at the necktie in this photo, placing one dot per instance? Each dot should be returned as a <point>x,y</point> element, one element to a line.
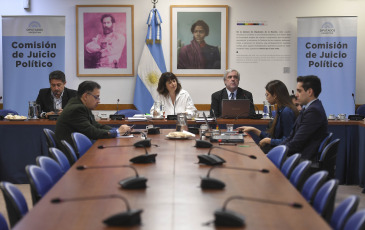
<point>231,96</point>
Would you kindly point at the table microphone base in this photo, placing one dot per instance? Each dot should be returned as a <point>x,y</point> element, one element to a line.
<point>128,218</point>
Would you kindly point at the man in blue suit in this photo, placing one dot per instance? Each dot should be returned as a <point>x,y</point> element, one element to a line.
<point>310,128</point>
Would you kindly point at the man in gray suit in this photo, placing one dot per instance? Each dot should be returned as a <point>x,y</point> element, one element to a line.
<point>77,116</point>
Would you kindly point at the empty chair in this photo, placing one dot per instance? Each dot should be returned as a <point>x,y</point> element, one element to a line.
<point>356,221</point>
<point>50,137</point>
<point>277,155</point>
<point>60,157</point>
<point>289,164</point>
<point>81,142</point>
<point>128,112</point>
<point>70,152</point>
<point>299,174</point>
<point>343,212</point>
<point>324,200</point>
<point>312,184</point>
<point>327,160</point>
<point>324,143</point>
<point>51,166</point>
<point>16,205</point>
<point>39,180</point>
<point>361,110</point>
<point>3,224</point>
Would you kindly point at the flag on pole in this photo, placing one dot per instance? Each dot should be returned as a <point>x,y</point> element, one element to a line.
<point>151,65</point>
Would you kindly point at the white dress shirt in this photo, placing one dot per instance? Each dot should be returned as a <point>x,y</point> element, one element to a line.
<point>183,104</point>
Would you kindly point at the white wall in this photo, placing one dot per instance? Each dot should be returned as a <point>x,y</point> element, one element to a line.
<point>253,76</point>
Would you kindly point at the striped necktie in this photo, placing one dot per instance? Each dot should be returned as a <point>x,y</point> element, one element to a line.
<point>231,97</point>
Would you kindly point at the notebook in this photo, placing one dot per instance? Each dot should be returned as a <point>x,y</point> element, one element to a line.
<point>239,108</point>
<point>230,138</point>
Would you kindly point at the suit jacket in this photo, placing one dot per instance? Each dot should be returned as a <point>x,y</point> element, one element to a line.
<point>218,96</point>
<point>309,130</point>
<point>76,117</point>
<point>45,99</point>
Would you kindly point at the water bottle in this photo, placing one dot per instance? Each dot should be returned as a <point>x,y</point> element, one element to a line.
<point>266,110</point>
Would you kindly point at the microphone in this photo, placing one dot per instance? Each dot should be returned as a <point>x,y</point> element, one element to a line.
<point>356,117</point>
<point>141,143</point>
<point>353,97</point>
<point>117,116</point>
<point>146,158</point>
<point>135,182</point>
<point>128,218</point>
<point>117,105</point>
<point>228,218</point>
<point>256,115</point>
<point>211,159</point>
<point>212,183</point>
<point>243,115</point>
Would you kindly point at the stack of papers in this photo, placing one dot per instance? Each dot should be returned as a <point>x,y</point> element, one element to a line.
<point>203,120</point>
<point>137,118</point>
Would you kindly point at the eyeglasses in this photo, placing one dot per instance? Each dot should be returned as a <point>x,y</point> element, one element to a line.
<point>96,97</point>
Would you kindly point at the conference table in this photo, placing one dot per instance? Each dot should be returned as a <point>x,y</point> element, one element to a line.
<point>22,141</point>
<point>173,198</point>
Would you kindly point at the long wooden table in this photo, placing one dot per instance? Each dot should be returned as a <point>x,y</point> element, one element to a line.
<point>173,198</point>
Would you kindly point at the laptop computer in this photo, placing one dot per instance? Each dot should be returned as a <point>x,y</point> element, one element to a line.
<point>239,108</point>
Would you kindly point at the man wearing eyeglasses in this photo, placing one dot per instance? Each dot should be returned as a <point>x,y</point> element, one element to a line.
<point>52,100</point>
<point>231,79</point>
<point>77,116</point>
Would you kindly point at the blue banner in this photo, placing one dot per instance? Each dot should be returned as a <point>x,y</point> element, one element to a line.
<point>327,48</point>
<point>33,46</point>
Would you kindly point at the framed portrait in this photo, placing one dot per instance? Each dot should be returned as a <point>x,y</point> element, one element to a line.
<point>199,35</point>
<point>104,40</point>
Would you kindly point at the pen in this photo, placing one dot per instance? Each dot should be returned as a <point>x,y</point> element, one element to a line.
<point>223,143</point>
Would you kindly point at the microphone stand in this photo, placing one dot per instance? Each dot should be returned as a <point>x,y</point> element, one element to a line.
<point>127,218</point>
<point>228,218</point>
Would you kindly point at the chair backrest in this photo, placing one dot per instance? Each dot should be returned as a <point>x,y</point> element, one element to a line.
<point>324,143</point>
<point>361,110</point>
<point>324,200</point>
<point>3,224</point>
<point>299,174</point>
<point>128,112</point>
<point>81,142</point>
<point>51,166</point>
<point>16,205</point>
<point>60,157</point>
<point>343,212</point>
<point>289,164</point>
<point>327,161</point>
<point>277,155</point>
<point>356,221</point>
<point>4,112</point>
<point>39,180</point>
<point>312,185</point>
<point>70,152</point>
<point>50,137</point>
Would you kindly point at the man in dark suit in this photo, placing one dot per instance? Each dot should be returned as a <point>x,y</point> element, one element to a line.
<point>310,128</point>
<point>52,100</point>
<point>77,116</point>
<point>232,91</point>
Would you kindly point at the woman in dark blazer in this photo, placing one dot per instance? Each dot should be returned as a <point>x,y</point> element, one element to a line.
<point>280,128</point>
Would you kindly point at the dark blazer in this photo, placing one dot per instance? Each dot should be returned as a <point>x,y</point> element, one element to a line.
<point>76,117</point>
<point>309,130</point>
<point>218,96</point>
<point>45,99</point>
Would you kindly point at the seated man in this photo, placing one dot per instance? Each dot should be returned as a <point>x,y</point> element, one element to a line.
<point>52,100</point>
<point>231,79</point>
<point>310,128</point>
<point>77,117</point>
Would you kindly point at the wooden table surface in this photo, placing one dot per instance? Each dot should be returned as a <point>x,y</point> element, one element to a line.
<point>173,198</point>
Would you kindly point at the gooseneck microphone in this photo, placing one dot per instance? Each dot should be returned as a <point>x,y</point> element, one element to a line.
<point>212,183</point>
<point>146,158</point>
<point>211,159</point>
<point>353,97</point>
<point>128,218</point>
<point>136,182</point>
<point>228,218</point>
<point>117,105</point>
<point>138,144</point>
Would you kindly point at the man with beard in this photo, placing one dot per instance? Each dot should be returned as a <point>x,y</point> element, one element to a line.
<point>52,100</point>
<point>107,47</point>
<point>231,79</point>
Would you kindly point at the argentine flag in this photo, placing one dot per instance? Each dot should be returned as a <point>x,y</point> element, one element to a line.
<point>151,65</point>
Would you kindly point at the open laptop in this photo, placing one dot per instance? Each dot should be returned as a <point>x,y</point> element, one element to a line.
<point>239,108</point>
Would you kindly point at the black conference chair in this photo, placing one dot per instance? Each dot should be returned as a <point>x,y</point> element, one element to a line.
<point>70,152</point>
<point>299,174</point>
<point>289,164</point>
<point>39,180</point>
<point>343,212</point>
<point>312,185</point>
<point>277,155</point>
<point>50,137</point>
<point>324,200</point>
<point>327,160</point>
